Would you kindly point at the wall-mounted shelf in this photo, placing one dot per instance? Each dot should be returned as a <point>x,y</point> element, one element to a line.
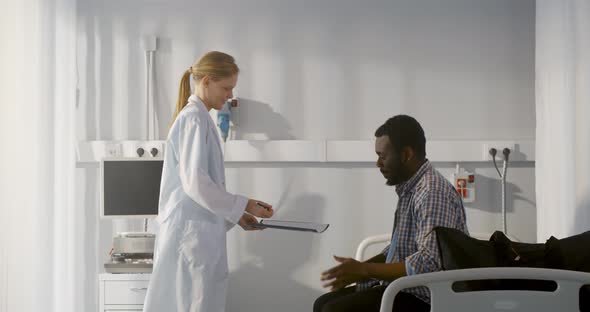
<point>436,150</point>
<point>275,151</point>
<point>89,153</point>
<point>312,151</point>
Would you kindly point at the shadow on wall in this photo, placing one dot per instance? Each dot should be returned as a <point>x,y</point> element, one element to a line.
<point>489,195</point>
<point>267,282</point>
<point>257,121</point>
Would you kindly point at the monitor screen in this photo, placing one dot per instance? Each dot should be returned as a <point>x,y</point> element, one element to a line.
<point>130,188</point>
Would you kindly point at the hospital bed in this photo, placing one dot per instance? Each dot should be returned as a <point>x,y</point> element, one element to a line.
<point>382,239</point>
<point>564,298</point>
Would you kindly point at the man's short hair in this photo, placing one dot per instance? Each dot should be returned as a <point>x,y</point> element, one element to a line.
<point>404,130</point>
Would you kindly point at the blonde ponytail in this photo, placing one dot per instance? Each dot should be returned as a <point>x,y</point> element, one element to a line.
<point>216,65</point>
<point>184,92</point>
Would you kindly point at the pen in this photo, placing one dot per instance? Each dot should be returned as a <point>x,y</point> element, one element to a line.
<point>262,205</point>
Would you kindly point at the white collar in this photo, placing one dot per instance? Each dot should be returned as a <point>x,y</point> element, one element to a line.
<point>193,99</point>
<point>198,102</point>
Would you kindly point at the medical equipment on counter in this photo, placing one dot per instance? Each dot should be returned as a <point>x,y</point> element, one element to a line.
<point>506,153</point>
<point>224,117</point>
<point>464,183</point>
<point>132,252</point>
<point>130,188</point>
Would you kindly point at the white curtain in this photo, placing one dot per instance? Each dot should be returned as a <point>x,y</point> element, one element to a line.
<point>563,117</point>
<point>41,235</point>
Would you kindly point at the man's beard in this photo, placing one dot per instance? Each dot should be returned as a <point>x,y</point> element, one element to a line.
<point>399,177</point>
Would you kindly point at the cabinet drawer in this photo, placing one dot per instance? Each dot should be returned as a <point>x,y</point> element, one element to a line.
<point>124,292</point>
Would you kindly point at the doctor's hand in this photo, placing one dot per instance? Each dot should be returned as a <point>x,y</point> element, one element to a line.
<point>259,209</point>
<point>349,271</point>
<point>248,219</point>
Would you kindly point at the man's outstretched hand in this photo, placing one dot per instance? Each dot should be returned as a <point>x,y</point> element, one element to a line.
<point>347,272</point>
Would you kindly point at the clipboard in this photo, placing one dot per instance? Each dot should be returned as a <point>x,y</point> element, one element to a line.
<point>292,226</point>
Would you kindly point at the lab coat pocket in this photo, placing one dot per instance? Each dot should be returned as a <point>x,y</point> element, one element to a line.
<point>200,244</point>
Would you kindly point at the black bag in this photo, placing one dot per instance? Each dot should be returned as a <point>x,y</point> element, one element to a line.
<point>460,251</point>
<point>513,254</point>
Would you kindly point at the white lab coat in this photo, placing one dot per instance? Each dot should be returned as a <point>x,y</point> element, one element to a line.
<point>190,259</point>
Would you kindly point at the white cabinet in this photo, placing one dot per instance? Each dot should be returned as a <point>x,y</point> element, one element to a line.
<point>122,292</point>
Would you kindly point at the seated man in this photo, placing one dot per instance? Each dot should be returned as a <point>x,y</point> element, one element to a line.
<point>426,200</point>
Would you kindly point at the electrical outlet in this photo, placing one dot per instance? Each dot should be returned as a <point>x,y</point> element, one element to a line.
<point>499,146</point>
<point>159,149</point>
<point>113,150</point>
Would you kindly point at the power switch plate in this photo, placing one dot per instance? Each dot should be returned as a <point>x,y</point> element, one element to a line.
<point>113,150</point>
<point>499,146</point>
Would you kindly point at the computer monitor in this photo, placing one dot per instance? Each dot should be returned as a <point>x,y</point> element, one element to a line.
<point>130,187</point>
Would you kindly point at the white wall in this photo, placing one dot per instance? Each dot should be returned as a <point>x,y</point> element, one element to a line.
<point>326,69</point>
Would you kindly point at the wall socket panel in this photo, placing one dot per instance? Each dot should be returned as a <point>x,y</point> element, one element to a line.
<point>157,145</point>
<point>127,149</point>
<point>113,150</point>
<point>499,146</point>
<point>130,148</point>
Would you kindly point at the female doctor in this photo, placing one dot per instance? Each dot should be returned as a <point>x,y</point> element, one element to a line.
<point>195,211</point>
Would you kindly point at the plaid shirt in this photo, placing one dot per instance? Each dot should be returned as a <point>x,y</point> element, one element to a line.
<point>426,200</point>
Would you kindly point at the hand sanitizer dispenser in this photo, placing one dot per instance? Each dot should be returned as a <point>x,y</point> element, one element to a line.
<point>224,117</point>
<point>464,182</point>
